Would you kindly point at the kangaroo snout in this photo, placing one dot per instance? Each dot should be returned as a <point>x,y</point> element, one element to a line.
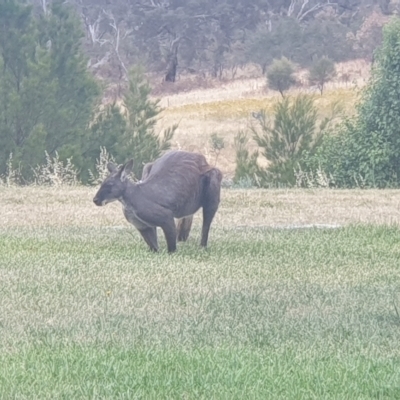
<point>97,201</point>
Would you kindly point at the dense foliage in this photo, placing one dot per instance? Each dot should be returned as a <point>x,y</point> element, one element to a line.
<point>50,106</point>
<point>50,102</point>
<point>46,92</point>
<point>366,151</point>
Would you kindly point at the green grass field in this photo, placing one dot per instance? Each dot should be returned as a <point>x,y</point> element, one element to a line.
<point>86,311</point>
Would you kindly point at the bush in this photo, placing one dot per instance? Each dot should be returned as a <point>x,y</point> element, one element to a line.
<point>101,170</point>
<point>246,169</point>
<point>55,172</point>
<point>290,139</point>
<point>321,72</point>
<point>352,158</point>
<point>366,152</point>
<point>292,133</point>
<point>217,145</point>
<point>280,75</point>
<point>12,176</point>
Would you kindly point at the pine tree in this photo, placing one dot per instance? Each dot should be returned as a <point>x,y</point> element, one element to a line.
<point>46,93</point>
<point>23,71</point>
<point>142,143</point>
<point>292,133</point>
<point>129,131</point>
<point>74,88</point>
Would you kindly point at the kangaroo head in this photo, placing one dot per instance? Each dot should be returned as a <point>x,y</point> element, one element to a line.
<point>114,185</point>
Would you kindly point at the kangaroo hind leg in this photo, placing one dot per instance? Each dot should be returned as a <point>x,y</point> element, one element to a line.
<point>169,230</point>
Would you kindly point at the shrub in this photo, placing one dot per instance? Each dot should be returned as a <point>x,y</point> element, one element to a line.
<point>246,169</point>
<point>288,142</point>
<point>350,160</point>
<point>292,133</point>
<point>280,75</point>
<point>101,167</point>
<point>12,176</point>
<point>217,145</point>
<point>321,72</point>
<point>366,152</point>
<point>54,172</point>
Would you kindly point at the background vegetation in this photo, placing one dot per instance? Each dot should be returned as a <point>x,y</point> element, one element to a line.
<point>53,107</point>
<point>367,148</point>
<point>214,38</point>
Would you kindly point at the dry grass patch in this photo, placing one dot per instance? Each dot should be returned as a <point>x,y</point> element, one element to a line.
<point>198,119</point>
<point>39,207</point>
<point>226,107</point>
<point>251,84</point>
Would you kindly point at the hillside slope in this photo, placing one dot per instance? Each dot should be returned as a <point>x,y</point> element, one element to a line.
<point>226,108</point>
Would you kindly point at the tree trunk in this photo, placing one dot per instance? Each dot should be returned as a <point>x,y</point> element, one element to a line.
<point>171,69</point>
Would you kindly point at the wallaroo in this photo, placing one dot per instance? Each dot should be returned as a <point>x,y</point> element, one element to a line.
<point>176,185</point>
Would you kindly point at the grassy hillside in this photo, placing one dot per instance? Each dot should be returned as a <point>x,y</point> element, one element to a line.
<point>227,107</point>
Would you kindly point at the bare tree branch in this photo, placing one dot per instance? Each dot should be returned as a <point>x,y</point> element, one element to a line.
<point>305,2</point>
<point>101,62</point>
<point>115,43</point>
<point>291,7</point>
<point>318,6</point>
<point>44,6</point>
<point>94,29</point>
<point>303,11</point>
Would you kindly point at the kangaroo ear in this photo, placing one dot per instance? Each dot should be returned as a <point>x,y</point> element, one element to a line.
<point>111,167</point>
<point>126,170</point>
